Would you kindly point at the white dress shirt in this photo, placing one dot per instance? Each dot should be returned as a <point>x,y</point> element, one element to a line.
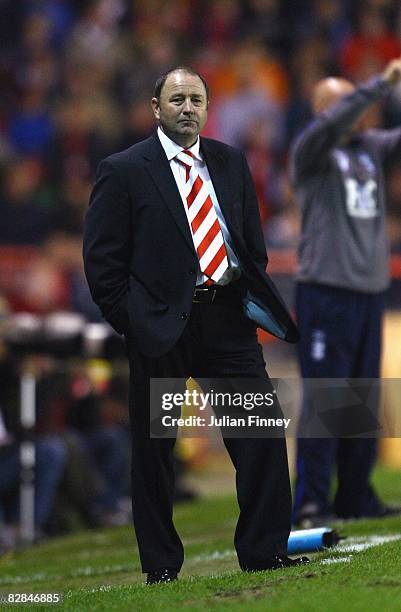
<point>172,149</point>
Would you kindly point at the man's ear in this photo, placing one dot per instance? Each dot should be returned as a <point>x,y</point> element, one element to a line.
<point>155,107</point>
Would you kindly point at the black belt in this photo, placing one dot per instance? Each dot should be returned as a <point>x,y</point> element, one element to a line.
<point>218,294</point>
<point>204,295</point>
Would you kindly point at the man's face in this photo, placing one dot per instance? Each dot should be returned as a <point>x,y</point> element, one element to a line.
<point>182,107</point>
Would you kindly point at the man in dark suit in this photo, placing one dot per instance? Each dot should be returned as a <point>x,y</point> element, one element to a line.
<point>173,246</point>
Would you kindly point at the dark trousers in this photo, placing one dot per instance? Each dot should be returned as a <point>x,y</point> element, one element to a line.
<point>340,338</point>
<point>218,341</point>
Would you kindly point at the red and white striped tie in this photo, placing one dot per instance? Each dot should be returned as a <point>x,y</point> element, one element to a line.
<point>206,230</point>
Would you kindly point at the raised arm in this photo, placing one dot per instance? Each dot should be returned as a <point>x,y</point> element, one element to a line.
<point>311,149</point>
<point>388,142</point>
<point>336,113</point>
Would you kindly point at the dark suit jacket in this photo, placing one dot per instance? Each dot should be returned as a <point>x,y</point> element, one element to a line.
<point>139,256</point>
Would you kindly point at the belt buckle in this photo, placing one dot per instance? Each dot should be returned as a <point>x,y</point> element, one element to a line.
<point>198,290</point>
<point>205,290</point>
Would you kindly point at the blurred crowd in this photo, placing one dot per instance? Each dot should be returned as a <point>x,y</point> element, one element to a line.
<point>76,78</point>
<point>81,450</point>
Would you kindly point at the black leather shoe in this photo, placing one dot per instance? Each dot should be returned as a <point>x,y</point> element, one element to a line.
<point>163,575</point>
<point>278,562</point>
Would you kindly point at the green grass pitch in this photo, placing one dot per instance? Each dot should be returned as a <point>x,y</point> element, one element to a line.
<point>100,570</point>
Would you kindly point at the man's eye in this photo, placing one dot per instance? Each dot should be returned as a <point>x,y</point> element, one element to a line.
<point>197,102</point>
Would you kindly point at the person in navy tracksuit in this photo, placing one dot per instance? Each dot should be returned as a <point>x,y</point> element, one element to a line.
<point>337,169</point>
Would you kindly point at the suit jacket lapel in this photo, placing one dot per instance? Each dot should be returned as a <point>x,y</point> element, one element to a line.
<point>160,171</point>
<point>221,181</point>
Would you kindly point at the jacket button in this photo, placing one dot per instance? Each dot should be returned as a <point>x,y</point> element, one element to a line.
<point>191,272</point>
<point>184,316</point>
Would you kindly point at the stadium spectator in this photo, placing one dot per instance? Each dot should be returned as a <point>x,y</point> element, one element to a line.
<point>51,458</point>
<point>25,203</point>
<point>327,19</point>
<point>264,20</point>
<point>30,128</point>
<point>100,421</point>
<point>372,45</point>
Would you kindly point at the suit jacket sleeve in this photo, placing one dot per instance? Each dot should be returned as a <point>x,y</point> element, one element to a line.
<point>253,234</point>
<point>107,246</point>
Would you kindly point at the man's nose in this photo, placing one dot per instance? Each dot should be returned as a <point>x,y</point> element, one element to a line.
<point>188,108</point>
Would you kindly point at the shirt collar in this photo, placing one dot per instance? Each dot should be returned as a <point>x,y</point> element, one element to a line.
<point>172,149</point>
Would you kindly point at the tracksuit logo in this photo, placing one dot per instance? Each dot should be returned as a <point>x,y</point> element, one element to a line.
<point>318,346</point>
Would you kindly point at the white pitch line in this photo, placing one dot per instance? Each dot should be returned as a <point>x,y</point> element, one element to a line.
<point>332,560</point>
<point>359,544</point>
<point>213,556</point>
<point>101,589</point>
<point>353,545</point>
